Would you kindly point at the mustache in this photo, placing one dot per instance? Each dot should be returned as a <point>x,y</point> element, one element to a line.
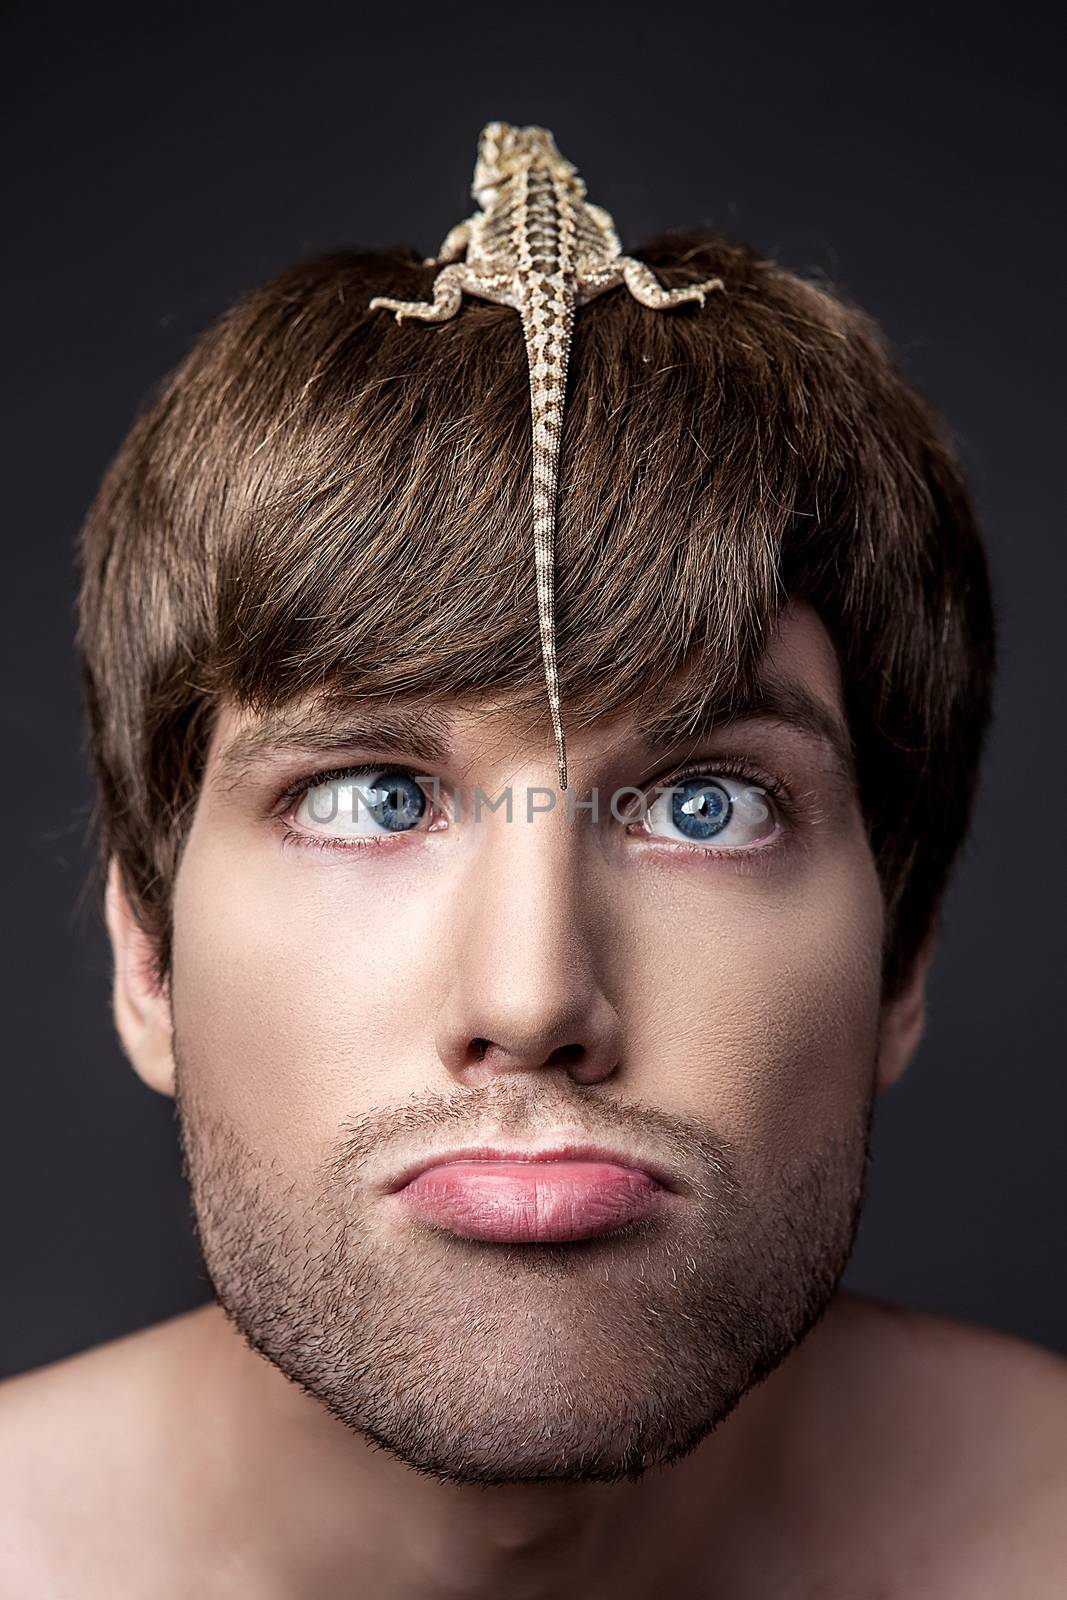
<point>513,1109</point>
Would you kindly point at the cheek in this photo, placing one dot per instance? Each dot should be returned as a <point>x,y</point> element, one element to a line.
<point>762,1014</point>
<point>298,989</point>
<point>306,991</point>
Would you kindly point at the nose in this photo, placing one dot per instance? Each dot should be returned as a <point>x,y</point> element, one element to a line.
<point>530,947</point>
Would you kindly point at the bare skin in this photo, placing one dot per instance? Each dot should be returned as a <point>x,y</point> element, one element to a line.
<point>894,1454</point>
<point>436,1419</point>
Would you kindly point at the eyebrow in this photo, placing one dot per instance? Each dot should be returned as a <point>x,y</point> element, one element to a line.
<point>775,700</point>
<point>427,733</point>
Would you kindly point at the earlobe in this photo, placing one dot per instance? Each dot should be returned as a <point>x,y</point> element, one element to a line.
<point>904,1019</point>
<point>141,1008</point>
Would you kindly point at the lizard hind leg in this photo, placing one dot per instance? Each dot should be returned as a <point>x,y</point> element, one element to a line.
<point>447,295</point>
<point>646,287</point>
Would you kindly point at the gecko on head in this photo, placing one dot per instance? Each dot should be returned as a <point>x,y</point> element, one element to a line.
<point>537,245</point>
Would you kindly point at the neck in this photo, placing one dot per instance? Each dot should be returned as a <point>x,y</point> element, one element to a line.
<point>316,1508</point>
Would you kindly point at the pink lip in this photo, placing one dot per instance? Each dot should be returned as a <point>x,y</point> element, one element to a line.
<point>522,1197</point>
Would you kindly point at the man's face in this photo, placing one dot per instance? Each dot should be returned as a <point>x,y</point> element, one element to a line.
<point>355,990</point>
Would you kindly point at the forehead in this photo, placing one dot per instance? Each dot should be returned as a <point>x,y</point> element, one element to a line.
<point>802,650</point>
<point>800,685</point>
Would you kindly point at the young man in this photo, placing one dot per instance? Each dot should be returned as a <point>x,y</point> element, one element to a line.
<point>374,952</point>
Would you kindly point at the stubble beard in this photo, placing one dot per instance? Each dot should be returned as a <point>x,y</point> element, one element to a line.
<point>490,1364</point>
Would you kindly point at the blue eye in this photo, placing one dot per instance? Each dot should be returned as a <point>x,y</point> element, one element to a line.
<point>396,802</point>
<point>700,810</point>
<point>358,804</point>
<point>705,809</point>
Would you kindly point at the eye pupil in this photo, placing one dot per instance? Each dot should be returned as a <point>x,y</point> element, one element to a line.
<point>396,803</point>
<point>700,809</point>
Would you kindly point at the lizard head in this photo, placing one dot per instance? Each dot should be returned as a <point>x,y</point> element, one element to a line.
<point>504,150</point>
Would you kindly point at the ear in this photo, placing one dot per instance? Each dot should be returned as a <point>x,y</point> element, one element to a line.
<point>904,1018</point>
<point>140,1007</point>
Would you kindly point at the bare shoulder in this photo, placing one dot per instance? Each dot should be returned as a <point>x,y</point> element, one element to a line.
<point>965,1437</point>
<point>81,1440</point>
<point>988,1384</point>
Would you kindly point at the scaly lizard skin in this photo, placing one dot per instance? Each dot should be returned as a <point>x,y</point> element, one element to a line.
<point>536,244</point>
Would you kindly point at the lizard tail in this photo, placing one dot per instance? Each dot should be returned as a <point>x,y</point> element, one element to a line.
<point>544,554</point>
<point>547,324</point>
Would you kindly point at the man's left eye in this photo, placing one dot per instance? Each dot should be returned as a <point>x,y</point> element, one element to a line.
<point>707,810</point>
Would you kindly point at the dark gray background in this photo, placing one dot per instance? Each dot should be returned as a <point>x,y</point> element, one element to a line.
<point>165,158</point>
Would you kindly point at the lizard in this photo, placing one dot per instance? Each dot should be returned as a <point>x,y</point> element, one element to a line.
<point>536,244</point>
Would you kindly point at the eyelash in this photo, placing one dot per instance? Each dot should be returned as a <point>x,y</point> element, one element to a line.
<point>724,765</point>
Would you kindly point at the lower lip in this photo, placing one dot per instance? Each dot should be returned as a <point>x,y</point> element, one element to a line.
<point>526,1202</point>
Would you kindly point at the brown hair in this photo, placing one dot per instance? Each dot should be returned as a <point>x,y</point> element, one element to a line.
<point>321,499</point>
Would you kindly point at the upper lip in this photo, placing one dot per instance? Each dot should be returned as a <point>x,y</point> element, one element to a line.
<point>556,1152</point>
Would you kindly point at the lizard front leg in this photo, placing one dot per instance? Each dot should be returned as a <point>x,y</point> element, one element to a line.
<point>646,287</point>
<point>455,244</point>
<point>448,290</point>
<point>606,223</point>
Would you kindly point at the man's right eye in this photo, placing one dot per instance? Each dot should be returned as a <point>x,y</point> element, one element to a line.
<point>362,802</point>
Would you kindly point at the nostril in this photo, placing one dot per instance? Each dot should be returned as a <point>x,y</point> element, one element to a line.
<point>571,1052</point>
